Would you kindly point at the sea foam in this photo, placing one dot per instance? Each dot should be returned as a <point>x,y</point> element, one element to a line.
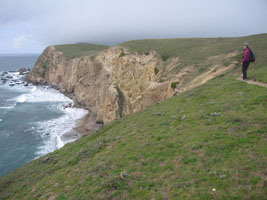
<point>60,131</point>
<point>55,132</point>
<point>6,107</point>
<point>42,94</point>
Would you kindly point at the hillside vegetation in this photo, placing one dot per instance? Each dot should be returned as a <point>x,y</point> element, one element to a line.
<point>209,142</point>
<point>81,49</point>
<point>212,137</point>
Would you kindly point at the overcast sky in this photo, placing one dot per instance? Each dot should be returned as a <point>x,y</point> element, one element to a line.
<point>30,25</point>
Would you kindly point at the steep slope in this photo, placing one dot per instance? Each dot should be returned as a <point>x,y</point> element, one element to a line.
<point>108,84</point>
<point>206,143</point>
<point>114,82</point>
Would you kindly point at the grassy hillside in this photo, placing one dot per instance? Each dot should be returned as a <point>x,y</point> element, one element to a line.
<point>196,50</point>
<point>81,49</point>
<point>207,143</point>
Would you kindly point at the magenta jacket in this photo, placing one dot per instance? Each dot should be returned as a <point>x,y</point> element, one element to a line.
<point>246,55</point>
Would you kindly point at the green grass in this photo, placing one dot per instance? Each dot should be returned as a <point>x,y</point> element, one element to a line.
<point>174,84</point>
<point>156,71</point>
<point>81,49</point>
<point>122,53</point>
<point>211,137</point>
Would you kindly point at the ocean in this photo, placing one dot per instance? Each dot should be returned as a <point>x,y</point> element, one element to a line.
<point>34,120</point>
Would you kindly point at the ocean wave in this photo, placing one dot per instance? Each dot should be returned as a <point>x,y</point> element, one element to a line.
<point>60,131</point>
<point>20,88</point>
<point>57,132</point>
<point>42,94</point>
<point>15,81</point>
<point>6,107</point>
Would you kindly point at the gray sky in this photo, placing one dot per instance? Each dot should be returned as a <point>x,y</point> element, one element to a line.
<point>31,25</point>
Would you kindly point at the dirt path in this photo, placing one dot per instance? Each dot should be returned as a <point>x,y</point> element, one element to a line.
<point>216,65</point>
<point>254,82</point>
<point>206,76</point>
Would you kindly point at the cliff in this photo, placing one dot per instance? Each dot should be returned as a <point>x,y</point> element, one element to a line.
<point>115,82</point>
<point>109,85</point>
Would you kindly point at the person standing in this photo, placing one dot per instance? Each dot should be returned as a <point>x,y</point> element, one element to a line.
<point>245,60</point>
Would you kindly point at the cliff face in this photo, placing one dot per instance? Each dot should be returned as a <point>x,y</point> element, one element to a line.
<point>112,84</point>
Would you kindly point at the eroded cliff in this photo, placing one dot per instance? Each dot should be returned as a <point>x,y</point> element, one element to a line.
<point>114,82</point>
<point>108,84</point>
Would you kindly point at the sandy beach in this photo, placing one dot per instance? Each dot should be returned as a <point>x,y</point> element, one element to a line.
<point>87,125</point>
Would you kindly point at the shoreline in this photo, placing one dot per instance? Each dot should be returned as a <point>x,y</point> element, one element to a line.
<point>83,126</point>
<point>87,124</point>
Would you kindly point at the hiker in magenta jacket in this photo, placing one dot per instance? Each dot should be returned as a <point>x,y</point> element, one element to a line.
<point>245,60</point>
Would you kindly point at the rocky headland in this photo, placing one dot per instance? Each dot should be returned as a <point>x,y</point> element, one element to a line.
<point>116,82</point>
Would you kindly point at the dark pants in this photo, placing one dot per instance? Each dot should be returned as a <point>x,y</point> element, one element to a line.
<point>244,69</point>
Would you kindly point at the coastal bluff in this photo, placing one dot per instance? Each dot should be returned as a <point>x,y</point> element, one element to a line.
<point>111,84</point>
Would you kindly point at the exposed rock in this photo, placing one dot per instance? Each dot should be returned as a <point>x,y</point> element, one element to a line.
<point>190,95</point>
<point>83,151</point>
<point>22,70</point>
<point>123,174</point>
<point>157,114</point>
<point>99,145</point>
<point>109,85</point>
<point>112,86</point>
<point>215,114</point>
<point>47,159</point>
<point>67,106</point>
<point>222,176</point>
<point>99,121</point>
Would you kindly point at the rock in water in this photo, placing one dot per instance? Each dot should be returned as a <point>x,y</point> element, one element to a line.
<point>22,70</point>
